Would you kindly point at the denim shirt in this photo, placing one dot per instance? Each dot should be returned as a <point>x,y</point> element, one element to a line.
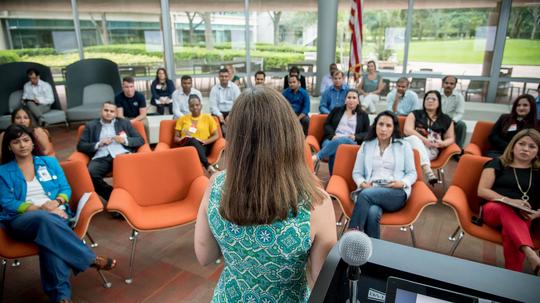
<point>333,98</point>
<point>13,185</point>
<point>404,168</point>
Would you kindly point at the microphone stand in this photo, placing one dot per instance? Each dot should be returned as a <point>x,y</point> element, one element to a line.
<point>353,274</point>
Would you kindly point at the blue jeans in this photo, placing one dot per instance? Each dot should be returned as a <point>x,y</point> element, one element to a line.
<point>60,249</point>
<point>329,148</point>
<point>369,206</point>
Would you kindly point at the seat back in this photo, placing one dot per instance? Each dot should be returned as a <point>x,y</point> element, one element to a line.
<point>97,93</point>
<point>307,158</point>
<point>138,125</point>
<point>401,120</point>
<point>15,100</point>
<point>480,135</point>
<point>316,126</point>
<point>166,131</point>
<point>79,180</point>
<point>157,178</point>
<point>467,176</point>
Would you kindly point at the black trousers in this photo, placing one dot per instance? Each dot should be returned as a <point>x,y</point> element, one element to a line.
<point>201,150</point>
<point>305,123</point>
<point>99,168</point>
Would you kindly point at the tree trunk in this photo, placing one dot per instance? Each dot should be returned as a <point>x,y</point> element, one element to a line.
<point>276,17</point>
<point>535,12</point>
<point>208,35</point>
<point>104,31</point>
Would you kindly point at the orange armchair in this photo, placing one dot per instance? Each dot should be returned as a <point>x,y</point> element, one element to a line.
<point>80,182</point>
<point>480,139</point>
<point>166,141</point>
<point>138,125</point>
<point>316,131</point>
<point>341,184</point>
<point>156,191</point>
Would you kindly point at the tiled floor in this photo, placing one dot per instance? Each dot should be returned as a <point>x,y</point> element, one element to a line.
<point>166,269</point>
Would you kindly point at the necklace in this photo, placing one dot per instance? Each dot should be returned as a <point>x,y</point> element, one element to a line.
<point>525,197</point>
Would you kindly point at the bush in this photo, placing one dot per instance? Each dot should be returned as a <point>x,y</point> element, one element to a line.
<point>133,49</point>
<point>283,48</point>
<point>35,51</point>
<point>7,56</point>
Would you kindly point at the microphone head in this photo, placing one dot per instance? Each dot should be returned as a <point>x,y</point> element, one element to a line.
<point>355,248</point>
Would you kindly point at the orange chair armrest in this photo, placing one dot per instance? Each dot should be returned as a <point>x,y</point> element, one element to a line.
<point>456,198</point>
<point>445,155</point>
<point>473,149</point>
<point>162,146</point>
<point>197,189</point>
<point>11,249</point>
<point>313,143</point>
<point>421,196</point>
<point>78,156</point>
<point>216,150</point>
<point>145,148</point>
<point>121,200</point>
<point>337,188</point>
<point>92,207</point>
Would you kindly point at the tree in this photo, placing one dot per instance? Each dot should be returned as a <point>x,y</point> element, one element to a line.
<point>101,28</point>
<point>276,17</point>
<point>208,35</point>
<point>517,17</point>
<point>192,25</point>
<point>535,12</point>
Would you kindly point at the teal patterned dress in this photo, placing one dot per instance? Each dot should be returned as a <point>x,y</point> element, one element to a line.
<point>263,263</point>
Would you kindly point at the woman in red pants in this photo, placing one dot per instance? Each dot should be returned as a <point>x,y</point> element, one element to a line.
<point>509,184</point>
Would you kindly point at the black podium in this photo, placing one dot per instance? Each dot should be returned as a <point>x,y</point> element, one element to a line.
<point>389,259</point>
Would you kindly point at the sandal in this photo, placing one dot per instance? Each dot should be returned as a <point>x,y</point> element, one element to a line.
<point>102,263</point>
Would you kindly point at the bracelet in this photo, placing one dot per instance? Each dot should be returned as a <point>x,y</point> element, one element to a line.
<point>501,199</point>
<point>60,202</point>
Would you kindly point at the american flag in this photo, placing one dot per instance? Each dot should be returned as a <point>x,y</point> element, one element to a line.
<point>355,25</point>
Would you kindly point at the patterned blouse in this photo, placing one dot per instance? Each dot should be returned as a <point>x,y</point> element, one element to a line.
<point>263,263</point>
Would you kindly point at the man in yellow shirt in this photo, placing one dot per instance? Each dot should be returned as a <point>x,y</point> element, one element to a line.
<point>196,129</point>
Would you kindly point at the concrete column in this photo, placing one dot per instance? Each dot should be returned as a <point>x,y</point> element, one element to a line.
<point>498,49</point>
<point>247,38</point>
<point>167,39</point>
<point>77,26</point>
<point>326,38</point>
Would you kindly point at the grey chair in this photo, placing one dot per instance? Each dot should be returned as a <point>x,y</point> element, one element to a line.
<point>11,92</point>
<point>89,83</point>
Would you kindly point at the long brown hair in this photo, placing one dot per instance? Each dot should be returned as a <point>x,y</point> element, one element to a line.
<point>508,156</point>
<point>530,120</point>
<point>267,176</point>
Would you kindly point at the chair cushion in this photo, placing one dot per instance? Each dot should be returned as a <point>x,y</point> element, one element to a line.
<point>97,93</point>
<point>15,100</point>
<point>84,112</point>
<point>5,121</point>
<point>54,116</point>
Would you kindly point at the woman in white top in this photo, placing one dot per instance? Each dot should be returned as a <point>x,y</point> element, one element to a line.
<point>370,87</point>
<point>384,172</point>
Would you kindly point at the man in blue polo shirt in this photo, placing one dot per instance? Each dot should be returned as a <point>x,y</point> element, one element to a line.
<point>334,96</point>
<point>131,104</point>
<point>299,100</point>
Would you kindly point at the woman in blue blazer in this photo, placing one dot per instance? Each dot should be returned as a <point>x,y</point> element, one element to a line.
<point>34,193</point>
<point>384,173</point>
<point>162,89</point>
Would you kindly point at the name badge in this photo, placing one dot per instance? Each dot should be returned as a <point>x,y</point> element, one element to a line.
<point>43,174</point>
<point>192,130</point>
<point>135,103</point>
<point>158,86</point>
<point>512,128</point>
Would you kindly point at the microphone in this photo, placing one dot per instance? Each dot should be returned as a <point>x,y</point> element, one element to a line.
<point>355,249</point>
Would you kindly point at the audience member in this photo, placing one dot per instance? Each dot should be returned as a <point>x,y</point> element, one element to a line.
<point>384,173</point>
<point>162,89</point>
<point>347,124</point>
<point>370,87</point>
<point>180,97</point>
<point>327,79</point>
<point>131,104</point>
<point>198,130</point>
<point>34,209</point>
<point>223,95</point>
<point>299,100</point>
<point>42,138</point>
<point>429,130</point>
<point>509,185</point>
<point>453,105</point>
<point>260,78</point>
<point>538,102</point>
<point>523,115</point>
<point>401,100</point>
<point>234,78</point>
<point>37,95</point>
<point>103,140</point>
<point>267,209</point>
<point>294,71</point>
<point>334,96</point>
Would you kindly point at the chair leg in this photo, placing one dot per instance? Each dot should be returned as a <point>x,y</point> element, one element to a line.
<point>133,239</point>
<point>340,220</point>
<point>106,282</point>
<point>454,247</point>
<point>443,179</point>
<point>4,266</point>
<point>413,238</point>
<point>93,243</point>
<point>454,234</point>
<point>343,228</point>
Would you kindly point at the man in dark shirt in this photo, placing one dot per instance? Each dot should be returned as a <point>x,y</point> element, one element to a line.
<point>299,100</point>
<point>131,104</point>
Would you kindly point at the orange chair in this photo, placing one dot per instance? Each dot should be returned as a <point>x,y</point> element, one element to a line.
<point>138,125</point>
<point>315,134</point>
<point>480,139</point>
<point>156,191</point>
<point>307,157</point>
<point>341,184</point>
<point>80,182</point>
<point>166,140</point>
<point>442,159</point>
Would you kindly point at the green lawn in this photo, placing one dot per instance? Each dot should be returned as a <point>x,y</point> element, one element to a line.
<point>517,52</point>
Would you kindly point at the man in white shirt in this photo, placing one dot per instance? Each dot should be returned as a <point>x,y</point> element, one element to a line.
<point>453,104</point>
<point>223,95</point>
<point>180,97</point>
<point>37,95</point>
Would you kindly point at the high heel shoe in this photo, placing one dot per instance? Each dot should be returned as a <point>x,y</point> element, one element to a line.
<point>432,179</point>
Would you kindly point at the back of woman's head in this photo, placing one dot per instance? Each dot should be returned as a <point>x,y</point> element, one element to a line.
<point>13,132</point>
<point>266,171</point>
<point>396,133</point>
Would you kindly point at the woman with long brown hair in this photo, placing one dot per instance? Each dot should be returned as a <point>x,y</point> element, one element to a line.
<point>267,213</point>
